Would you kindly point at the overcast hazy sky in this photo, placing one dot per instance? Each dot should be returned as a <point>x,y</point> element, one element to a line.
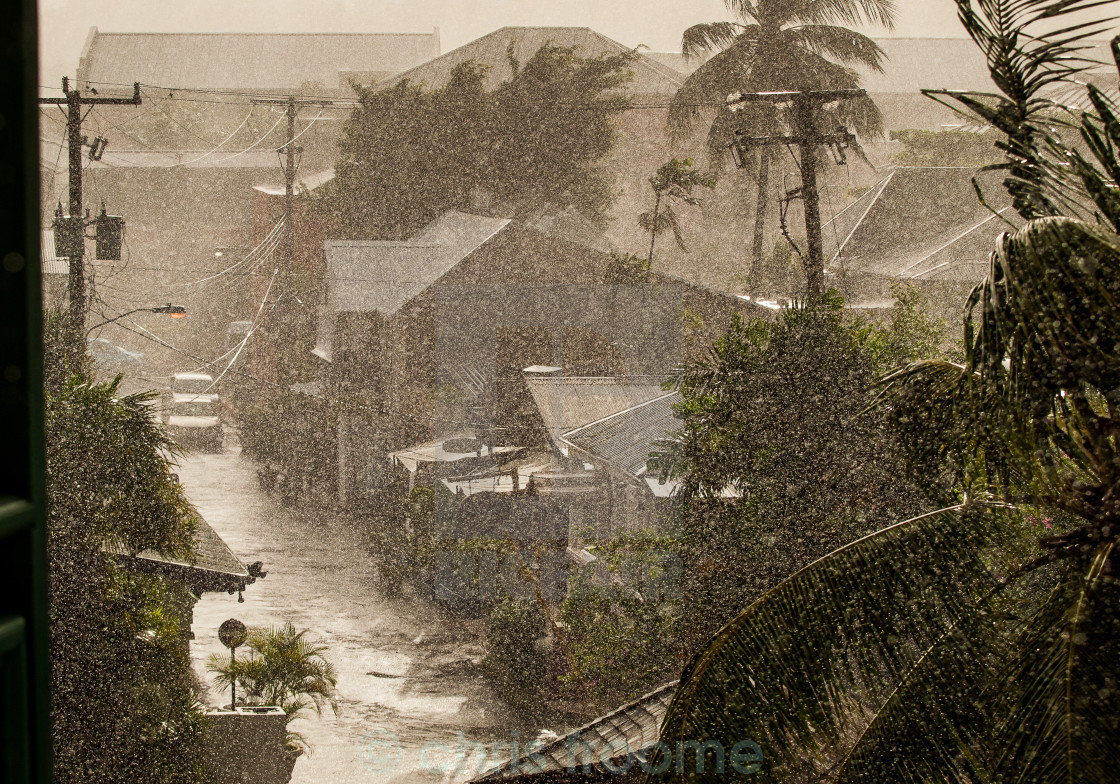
<point>658,24</point>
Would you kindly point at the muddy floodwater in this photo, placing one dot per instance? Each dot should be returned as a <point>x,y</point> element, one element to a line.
<point>412,703</point>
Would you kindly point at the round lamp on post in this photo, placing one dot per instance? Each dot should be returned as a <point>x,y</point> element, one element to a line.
<point>233,634</point>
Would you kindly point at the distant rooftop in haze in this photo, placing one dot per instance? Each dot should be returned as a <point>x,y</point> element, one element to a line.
<point>267,62</point>
<point>922,223</point>
<point>651,76</point>
<point>912,64</point>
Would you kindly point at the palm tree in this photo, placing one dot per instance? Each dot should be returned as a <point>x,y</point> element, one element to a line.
<point>284,669</point>
<point>778,45</point>
<point>959,646</point>
<point>674,181</point>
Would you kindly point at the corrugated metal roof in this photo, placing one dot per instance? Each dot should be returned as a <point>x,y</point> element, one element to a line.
<point>920,222</point>
<point>367,276</point>
<point>52,264</point>
<point>650,77</point>
<point>625,439</point>
<point>604,743</point>
<point>568,402</point>
<point>250,61</point>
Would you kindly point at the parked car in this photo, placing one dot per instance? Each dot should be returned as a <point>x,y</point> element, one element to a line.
<point>194,422</point>
<point>109,358</point>
<point>193,383</point>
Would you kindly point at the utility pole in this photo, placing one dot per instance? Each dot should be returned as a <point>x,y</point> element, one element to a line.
<point>286,314</point>
<point>808,140</point>
<point>73,224</point>
<point>289,184</point>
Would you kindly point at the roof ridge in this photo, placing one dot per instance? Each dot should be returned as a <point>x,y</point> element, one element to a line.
<point>274,35</point>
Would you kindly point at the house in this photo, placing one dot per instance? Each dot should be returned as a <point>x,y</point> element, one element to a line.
<point>180,167</point>
<point>642,144</point>
<point>616,747</point>
<point>213,569</point>
<point>435,331</point>
<point>620,443</point>
<point>187,224</point>
<point>55,271</point>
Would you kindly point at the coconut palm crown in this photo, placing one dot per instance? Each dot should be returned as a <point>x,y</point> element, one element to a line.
<point>779,45</point>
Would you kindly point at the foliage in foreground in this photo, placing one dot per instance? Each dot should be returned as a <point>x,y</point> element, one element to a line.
<point>123,702</point>
<point>776,465</point>
<point>944,648</point>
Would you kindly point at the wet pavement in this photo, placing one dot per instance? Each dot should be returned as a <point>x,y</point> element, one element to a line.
<point>411,699</point>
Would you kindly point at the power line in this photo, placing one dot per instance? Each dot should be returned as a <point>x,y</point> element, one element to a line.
<point>356,102</point>
<point>220,144</point>
<point>272,238</point>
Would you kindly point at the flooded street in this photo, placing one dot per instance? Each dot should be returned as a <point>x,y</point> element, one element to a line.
<point>410,694</point>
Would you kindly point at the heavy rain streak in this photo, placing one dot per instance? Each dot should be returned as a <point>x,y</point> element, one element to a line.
<point>444,399</point>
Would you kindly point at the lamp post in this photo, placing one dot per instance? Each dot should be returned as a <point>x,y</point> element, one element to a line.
<point>233,634</point>
<point>175,311</point>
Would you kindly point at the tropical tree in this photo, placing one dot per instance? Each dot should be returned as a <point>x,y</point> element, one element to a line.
<point>533,144</point>
<point>958,645</point>
<point>123,704</point>
<point>284,668</point>
<point>778,45</point>
<point>674,182</point>
<point>775,465</point>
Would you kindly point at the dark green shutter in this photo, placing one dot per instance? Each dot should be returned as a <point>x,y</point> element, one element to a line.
<point>24,660</point>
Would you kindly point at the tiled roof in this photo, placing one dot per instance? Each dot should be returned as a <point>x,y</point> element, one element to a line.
<point>250,61</point>
<point>603,744</point>
<point>367,276</point>
<point>625,439</point>
<point>650,76</point>
<point>568,402</point>
<point>921,222</point>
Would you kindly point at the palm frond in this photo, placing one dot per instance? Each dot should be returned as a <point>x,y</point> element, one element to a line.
<point>829,12</point>
<point>1024,63</point>
<point>1063,700</point>
<point>713,37</point>
<point>837,43</point>
<point>709,85</point>
<point>813,671</point>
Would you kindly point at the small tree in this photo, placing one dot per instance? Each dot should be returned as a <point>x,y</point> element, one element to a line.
<point>674,182</point>
<point>284,669</point>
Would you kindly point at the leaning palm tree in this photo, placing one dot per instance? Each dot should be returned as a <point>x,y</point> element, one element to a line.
<point>960,645</point>
<point>778,45</point>
<point>674,182</point>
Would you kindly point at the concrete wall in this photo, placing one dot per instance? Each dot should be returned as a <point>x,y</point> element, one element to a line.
<point>248,745</point>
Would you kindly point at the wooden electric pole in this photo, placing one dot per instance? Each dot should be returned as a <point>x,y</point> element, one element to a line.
<point>73,225</point>
<point>287,314</point>
<point>808,141</point>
